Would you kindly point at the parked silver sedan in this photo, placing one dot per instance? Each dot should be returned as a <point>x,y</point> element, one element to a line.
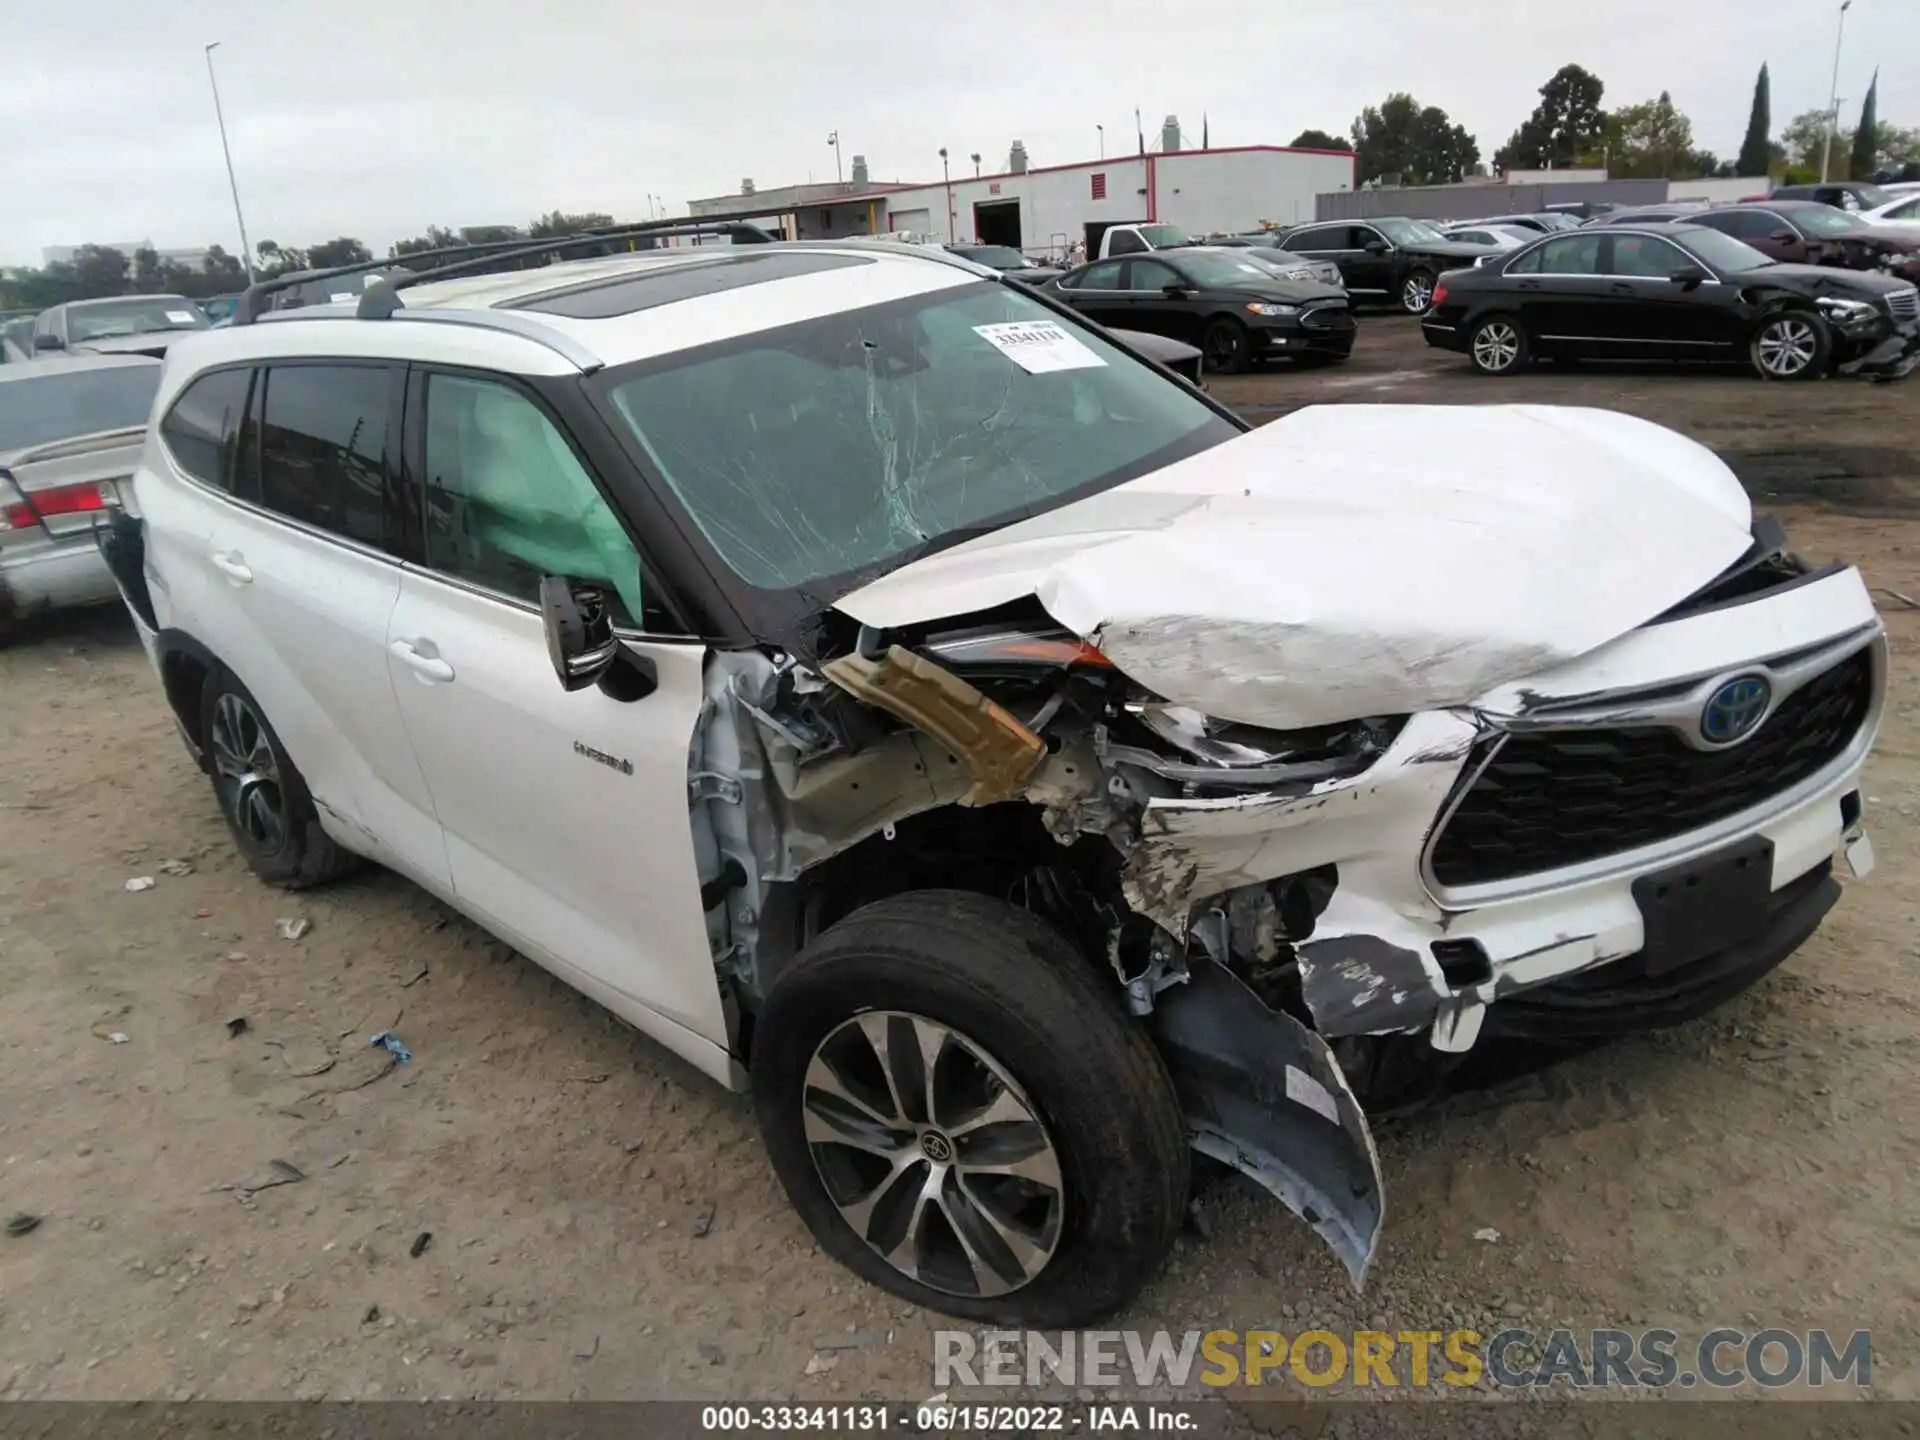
<point>71,429</point>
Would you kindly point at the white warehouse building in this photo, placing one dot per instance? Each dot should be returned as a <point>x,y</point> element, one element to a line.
<point>1047,209</point>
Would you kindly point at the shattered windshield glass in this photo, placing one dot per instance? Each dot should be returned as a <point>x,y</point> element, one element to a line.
<point>841,444</point>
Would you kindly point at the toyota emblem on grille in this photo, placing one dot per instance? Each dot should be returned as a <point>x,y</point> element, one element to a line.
<point>1735,710</point>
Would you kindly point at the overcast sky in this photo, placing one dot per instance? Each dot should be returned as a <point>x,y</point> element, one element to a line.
<point>375,118</point>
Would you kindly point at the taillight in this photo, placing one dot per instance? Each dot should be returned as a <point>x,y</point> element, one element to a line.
<point>1439,295</point>
<point>45,504</point>
<point>9,498</point>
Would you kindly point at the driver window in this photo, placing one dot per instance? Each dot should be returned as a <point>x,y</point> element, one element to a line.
<point>507,500</point>
<point>1362,236</point>
<point>1104,276</point>
<point>1152,275</point>
<point>1644,255</point>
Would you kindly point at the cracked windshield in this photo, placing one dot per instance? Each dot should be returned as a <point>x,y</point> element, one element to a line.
<point>840,444</point>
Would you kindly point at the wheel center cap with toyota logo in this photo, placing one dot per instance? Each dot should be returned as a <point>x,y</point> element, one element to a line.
<point>936,1147</point>
<point>1735,710</point>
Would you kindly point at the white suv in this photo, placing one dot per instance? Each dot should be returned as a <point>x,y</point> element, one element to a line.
<point>885,690</point>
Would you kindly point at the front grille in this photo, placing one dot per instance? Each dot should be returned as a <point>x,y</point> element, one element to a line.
<point>1553,798</point>
<point>1905,304</point>
<point>1327,317</point>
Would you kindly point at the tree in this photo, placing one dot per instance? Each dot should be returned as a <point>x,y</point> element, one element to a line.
<point>343,251</point>
<point>223,271</point>
<point>99,270</point>
<point>1422,146</point>
<point>1565,126</point>
<point>146,270</point>
<point>1318,140</point>
<point>438,237</point>
<point>1651,140</point>
<point>1755,152</point>
<point>1803,137</point>
<point>561,223</point>
<point>1899,148</point>
<point>1866,139</point>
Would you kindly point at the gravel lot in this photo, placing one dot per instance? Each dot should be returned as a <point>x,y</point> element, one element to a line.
<point>602,1223</point>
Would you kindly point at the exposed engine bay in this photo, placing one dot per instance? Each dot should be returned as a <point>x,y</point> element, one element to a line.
<point>1006,755</point>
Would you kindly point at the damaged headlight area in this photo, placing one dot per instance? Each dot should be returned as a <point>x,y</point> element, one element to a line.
<point>1222,755</point>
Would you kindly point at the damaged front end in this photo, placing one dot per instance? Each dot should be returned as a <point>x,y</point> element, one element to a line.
<point>1008,756</point>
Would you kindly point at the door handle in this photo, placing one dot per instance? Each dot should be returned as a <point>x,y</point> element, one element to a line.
<point>427,667</point>
<point>1621,287</point>
<point>233,565</point>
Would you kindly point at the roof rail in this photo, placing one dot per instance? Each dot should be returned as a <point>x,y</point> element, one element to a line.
<point>473,259</point>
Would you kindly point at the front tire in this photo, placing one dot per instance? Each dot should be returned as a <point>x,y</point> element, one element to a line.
<point>1498,345</point>
<point>1227,347</point>
<point>262,796</point>
<point>1416,292</point>
<point>1793,345</point>
<point>963,1114</point>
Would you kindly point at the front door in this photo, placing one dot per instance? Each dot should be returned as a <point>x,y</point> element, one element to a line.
<point>1660,317</point>
<point>566,814</point>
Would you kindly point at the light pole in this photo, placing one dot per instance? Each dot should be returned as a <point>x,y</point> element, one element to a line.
<point>1103,140</point>
<point>834,141</point>
<point>1833,102</point>
<point>975,157</point>
<point>946,181</point>
<point>246,250</point>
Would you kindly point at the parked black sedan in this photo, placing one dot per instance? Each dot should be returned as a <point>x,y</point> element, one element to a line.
<point>1008,261</point>
<point>1236,310</point>
<point>1674,292</point>
<point>1387,258</point>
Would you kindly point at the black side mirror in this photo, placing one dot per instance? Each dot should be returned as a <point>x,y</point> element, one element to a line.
<point>1376,247</point>
<point>48,342</point>
<point>1786,237</point>
<point>1688,276</point>
<point>1175,291</point>
<point>583,647</point>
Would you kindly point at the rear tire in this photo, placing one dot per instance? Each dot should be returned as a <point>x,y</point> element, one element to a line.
<point>262,796</point>
<point>1498,345</point>
<point>1020,1026</point>
<point>1227,346</point>
<point>1793,345</point>
<point>1416,292</point>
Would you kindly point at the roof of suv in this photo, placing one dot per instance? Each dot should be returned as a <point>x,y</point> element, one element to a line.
<point>584,314</point>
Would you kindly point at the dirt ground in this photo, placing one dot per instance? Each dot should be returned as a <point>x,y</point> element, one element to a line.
<point>601,1221</point>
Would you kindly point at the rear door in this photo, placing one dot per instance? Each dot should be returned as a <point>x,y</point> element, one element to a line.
<point>1363,274</point>
<point>298,573</point>
<point>1765,231</point>
<point>567,813</point>
<point>1099,292</point>
<point>1566,304</point>
<point>1152,309</point>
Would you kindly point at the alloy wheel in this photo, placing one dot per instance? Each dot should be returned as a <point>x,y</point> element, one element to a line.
<point>246,773</point>
<point>1496,345</point>
<point>1787,346</point>
<point>933,1154</point>
<point>1222,347</point>
<point>1417,294</point>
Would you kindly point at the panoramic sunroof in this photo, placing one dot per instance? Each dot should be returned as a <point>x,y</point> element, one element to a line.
<point>602,299</point>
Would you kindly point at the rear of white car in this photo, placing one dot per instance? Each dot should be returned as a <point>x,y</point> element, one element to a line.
<point>1191,789</point>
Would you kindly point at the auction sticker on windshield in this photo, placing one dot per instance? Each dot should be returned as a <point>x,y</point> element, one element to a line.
<point>179,317</point>
<point>1039,346</point>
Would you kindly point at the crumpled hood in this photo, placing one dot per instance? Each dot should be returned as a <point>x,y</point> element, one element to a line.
<point>1359,560</point>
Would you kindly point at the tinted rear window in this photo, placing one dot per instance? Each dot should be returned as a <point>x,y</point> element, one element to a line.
<point>63,403</point>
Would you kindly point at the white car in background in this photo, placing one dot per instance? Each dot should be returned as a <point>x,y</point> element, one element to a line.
<point>1903,209</point>
<point>1008,764</point>
<point>1507,237</point>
